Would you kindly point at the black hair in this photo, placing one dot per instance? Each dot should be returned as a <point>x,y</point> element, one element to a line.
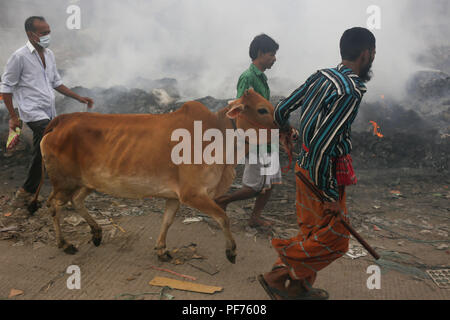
<point>262,43</point>
<point>29,23</point>
<point>354,41</point>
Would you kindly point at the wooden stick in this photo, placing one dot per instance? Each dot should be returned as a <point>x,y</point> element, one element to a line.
<point>352,231</point>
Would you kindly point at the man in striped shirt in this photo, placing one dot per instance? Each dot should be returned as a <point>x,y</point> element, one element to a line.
<point>329,102</point>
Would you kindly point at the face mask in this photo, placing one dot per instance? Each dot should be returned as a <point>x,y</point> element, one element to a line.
<point>44,41</point>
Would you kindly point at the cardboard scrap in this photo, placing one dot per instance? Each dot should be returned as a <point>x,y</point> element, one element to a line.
<point>14,293</point>
<point>203,266</point>
<point>355,251</point>
<point>183,285</point>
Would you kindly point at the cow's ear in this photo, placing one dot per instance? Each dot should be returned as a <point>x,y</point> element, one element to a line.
<point>235,110</point>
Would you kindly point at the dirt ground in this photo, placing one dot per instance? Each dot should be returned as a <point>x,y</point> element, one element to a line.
<point>403,213</point>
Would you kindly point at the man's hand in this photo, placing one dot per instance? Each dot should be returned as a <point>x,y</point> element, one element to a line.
<point>294,134</point>
<point>14,122</point>
<point>332,208</point>
<point>69,93</point>
<point>87,101</point>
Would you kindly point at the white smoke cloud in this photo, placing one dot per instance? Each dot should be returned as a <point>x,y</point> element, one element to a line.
<point>204,43</point>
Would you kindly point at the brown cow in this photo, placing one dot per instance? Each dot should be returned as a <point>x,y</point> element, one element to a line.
<point>129,156</point>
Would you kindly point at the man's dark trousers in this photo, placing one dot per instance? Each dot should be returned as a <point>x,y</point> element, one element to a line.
<point>35,169</point>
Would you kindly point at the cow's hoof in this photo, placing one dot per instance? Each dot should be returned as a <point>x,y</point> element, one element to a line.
<point>231,256</point>
<point>97,237</point>
<point>96,241</point>
<point>165,257</point>
<point>70,249</point>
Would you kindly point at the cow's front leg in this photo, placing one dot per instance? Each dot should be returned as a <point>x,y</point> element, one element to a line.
<point>210,207</point>
<point>172,206</point>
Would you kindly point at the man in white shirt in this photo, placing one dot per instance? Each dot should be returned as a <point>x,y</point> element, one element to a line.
<point>30,76</point>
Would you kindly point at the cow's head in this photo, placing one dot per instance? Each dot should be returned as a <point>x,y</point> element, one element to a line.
<point>252,111</point>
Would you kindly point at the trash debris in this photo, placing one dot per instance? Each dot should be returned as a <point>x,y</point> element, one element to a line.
<point>440,277</point>
<point>376,228</point>
<point>425,232</point>
<point>442,246</point>
<point>184,253</point>
<point>356,251</point>
<point>376,207</point>
<point>15,293</point>
<point>204,266</point>
<point>236,208</point>
<point>103,222</point>
<point>8,214</point>
<point>38,245</point>
<point>3,200</point>
<point>184,285</point>
<point>132,296</point>
<point>442,233</point>
<point>192,220</point>
<point>74,220</point>
<point>117,226</point>
<point>10,228</point>
<point>174,273</point>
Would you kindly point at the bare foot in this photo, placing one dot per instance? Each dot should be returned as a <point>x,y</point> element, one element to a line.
<point>259,222</point>
<point>221,204</point>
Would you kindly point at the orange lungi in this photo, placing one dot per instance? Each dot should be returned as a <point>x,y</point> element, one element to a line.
<point>321,238</point>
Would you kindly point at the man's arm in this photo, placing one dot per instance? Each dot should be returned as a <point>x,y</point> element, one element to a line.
<point>322,145</point>
<point>14,121</point>
<point>69,93</point>
<point>58,86</point>
<point>291,103</point>
<point>10,79</point>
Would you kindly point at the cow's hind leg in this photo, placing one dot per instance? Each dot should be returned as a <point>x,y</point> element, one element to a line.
<point>208,206</point>
<point>78,203</point>
<point>55,211</point>
<point>172,206</point>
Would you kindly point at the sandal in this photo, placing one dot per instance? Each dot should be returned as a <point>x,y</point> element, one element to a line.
<point>312,294</point>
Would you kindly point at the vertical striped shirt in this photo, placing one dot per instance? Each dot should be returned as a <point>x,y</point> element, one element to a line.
<point>329,101</point>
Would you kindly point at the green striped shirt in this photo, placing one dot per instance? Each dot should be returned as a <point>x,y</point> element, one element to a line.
<point>256,79</point>
<point>253,78</point>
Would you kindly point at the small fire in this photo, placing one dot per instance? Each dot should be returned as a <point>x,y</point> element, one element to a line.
<point>376,127</point>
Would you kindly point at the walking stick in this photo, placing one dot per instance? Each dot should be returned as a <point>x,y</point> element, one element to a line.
<point>352,231</point>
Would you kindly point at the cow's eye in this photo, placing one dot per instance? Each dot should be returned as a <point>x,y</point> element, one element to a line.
<point>262,111</point>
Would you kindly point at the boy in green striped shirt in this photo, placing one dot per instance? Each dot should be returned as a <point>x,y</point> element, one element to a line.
<point>262,52</point>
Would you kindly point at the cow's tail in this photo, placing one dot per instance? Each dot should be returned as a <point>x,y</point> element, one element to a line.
<point>34,204</point>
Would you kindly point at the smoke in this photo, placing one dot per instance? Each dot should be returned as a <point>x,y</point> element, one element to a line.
<point>204,43</point>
